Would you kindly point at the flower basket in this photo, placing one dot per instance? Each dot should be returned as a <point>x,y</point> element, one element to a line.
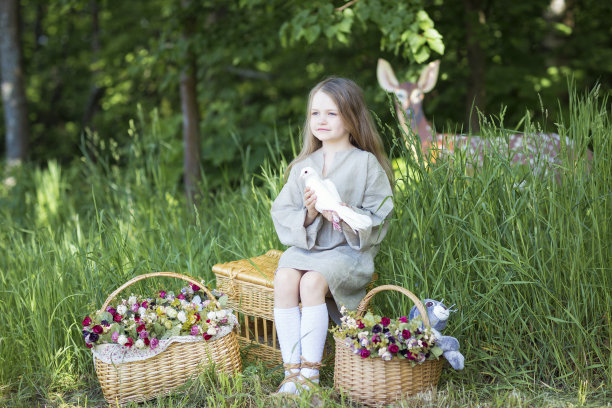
<point>373,381</point>
<point>141,380</point>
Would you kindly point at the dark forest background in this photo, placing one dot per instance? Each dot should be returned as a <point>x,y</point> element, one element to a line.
<point>241,70</point>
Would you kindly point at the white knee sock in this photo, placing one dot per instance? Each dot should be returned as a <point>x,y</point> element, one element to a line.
<point>314,332</point>
<point>287,322</point>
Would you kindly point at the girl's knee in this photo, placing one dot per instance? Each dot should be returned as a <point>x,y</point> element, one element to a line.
<point>313,285</point>
<point>286,283</point>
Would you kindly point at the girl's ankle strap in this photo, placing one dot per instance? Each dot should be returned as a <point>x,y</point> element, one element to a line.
<point>311,365</point>
<point>292,366</point>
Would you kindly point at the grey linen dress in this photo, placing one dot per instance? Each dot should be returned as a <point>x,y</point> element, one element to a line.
<point>345,259</point>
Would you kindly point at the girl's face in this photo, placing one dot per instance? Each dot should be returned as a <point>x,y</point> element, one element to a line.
<point>325,121</point>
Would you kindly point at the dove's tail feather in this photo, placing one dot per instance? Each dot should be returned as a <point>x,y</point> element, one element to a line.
<point>355,220</point>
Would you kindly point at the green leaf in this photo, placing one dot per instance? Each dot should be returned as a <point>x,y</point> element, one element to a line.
<point>422,55</point>
<point>106,316</point>
<point>312,33</point>
<point>425,23</point>
<point>436,45</point>
<point>416,42</point>
<point>223,301</point>
<point>436,351</point>
<point>432,33</point>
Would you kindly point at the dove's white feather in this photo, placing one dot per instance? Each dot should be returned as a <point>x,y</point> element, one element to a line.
<point>332,189</point>
<point>328,199</point>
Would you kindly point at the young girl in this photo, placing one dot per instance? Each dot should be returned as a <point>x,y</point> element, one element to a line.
<point>341,144</point>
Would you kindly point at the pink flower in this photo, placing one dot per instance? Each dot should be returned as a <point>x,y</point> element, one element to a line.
<point>403,319</point>
<point>89,345</point>
<point>385,321</point>
<point>86,321</point>
<point>376,338</point>
<point>195,288</point>
<point>206,336</point>
<point>117,318</point>
<point>111,310</point>
<point>114,336</point>
<point>145,304</point>
<point>195,330</point>
<point>162,294</point>
<point>406,334</point>
<point>129,343</point>
<point>98,329</point>
<point>146,341</point>
<point>180,296</point>
<point>393,348</point>
<point>140,328</point>
<point>197,316</point>
<point>143,334</point>
<point>360,324</point>
<point>154,343</point>
<point>135,307</point>
<point>365,353</point>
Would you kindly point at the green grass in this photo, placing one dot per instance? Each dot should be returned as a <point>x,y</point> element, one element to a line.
<point>527,260</point>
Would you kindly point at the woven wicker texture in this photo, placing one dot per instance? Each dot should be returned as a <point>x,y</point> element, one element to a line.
<point>249,285</point>
<point>372,381</point>
<point>147,379</point>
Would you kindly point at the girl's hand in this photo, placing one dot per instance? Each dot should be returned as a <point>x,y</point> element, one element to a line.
<point>329,215</point>
<point>310,199</point>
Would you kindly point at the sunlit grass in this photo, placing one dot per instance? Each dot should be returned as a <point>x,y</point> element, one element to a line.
<point>527,260</point>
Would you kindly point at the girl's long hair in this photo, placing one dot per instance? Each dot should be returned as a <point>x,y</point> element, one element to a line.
<point>356,117</point>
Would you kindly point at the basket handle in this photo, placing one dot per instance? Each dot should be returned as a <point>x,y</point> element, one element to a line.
<point>158,274</point>
<point>361,309</point>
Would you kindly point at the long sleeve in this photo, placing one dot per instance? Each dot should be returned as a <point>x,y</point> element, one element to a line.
<point>288,214</point>
<point>377,203</point>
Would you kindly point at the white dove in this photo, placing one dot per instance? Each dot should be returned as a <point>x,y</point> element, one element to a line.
<point>328,199</point>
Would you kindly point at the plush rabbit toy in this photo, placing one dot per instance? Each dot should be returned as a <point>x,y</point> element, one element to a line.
<point>438,316</point>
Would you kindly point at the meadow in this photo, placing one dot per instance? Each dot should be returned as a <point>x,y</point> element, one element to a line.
<point>526,259</point>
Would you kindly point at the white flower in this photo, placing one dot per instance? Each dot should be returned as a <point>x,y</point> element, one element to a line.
<point>387,356</point>
<point>364,342</point>
<point>139,344</point>
<point>212,331</point>
<point>121,309</point>
<point>171,312</point>
<point>181,316</point>
<point>221,314</point>
<point>382,351</point>
<point>142,311</point>
<point>132,300</point>
<point>211,315</point>
<point>122,339</point>
<point>343,310</point>
<point>205,303</point>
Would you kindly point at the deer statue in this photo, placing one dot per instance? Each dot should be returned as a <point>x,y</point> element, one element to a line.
<point>539,151</point>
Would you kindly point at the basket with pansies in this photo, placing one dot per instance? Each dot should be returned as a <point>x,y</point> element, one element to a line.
<point>184,332</point>
<point>381,359</point>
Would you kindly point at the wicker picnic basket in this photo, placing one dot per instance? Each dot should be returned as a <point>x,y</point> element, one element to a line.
<point>146,379</point>
<point>372,381</point>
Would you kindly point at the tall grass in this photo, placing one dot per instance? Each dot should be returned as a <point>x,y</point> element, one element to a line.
<point>527,259</point>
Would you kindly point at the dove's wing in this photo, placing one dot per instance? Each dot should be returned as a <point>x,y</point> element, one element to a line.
<point>331,187</point>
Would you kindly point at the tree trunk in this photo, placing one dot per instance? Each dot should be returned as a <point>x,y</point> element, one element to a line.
<point>191,117</point>
<point>475,98</point>
<point>96,93</point>
<point>13,88</point>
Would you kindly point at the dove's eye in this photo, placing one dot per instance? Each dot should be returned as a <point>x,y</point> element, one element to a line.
<point>429,304</point>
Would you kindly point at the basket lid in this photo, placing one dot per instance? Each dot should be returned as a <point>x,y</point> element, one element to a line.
<point>258,270</point>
